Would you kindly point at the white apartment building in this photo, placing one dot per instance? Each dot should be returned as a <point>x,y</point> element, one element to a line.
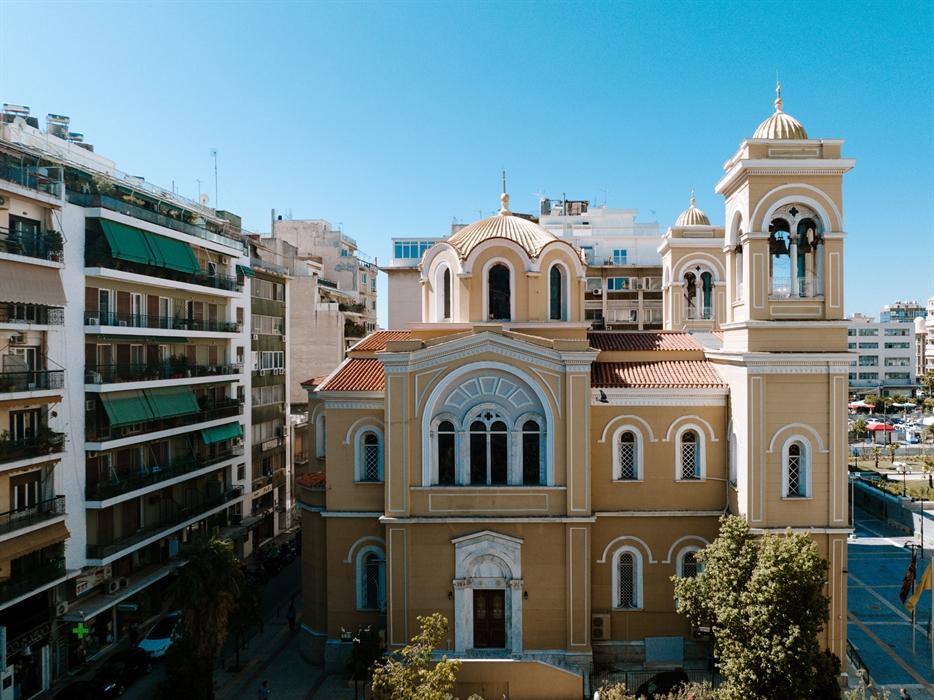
<point>929,342</point>
<point>885,362</point>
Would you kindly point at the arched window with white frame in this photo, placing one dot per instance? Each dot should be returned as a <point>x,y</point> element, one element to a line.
<point>557,290</point>
<point>627,579</point>
<point>687,564</point>
<point>321,436</point>
<point>489,449</point>
<point>689,454</point>
<point>442,291</point>
<point>499,293</point>
<point>446,453</point>
<point>532,467</point>
<point>796,468</point>
<point>371,579</point>
<point>627,454</point>
<point>368,455</point>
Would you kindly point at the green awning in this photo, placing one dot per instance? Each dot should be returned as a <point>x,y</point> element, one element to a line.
<point>174,254</point>
<point>128,243</point>
<point>145,339</point>
<point>244,271</point>
<point>126,407</point>
<point>219,433</point>
<point>172,401</point>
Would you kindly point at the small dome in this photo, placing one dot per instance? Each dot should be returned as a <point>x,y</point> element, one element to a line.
<point>692,216</point>
<point>530,236</point>
<point>780,125</point>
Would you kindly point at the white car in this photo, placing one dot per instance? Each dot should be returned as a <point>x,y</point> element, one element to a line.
<point>157,642</point>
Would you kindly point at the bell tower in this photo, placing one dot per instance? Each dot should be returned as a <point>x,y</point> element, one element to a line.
<point>784,350</point>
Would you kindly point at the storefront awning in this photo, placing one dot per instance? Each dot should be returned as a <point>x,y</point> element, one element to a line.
<point>244,271</point>
<point>127,407</point>
<point>219,433</point>
<point>128,243</point>
<point>35,540</point>
<point>174,254</point>
<point>23,283</point>
<point>172,401</point>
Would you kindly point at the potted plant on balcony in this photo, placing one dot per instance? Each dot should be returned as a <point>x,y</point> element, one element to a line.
<point>48,441</point>
<point>56,245</point>
<point>179,365</point>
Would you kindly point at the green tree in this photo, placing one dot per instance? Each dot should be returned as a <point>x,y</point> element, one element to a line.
<point>860,427</point>
<point>246,614</point>
<point>616,691</point>
<point>408,675</point>
<point>876,451</point>
<point>928,382</point>
<point>892,447</point>
<point>765,599</point>
<point>183,669</point>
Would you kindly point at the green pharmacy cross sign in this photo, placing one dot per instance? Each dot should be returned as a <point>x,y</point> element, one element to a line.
<point>80,630</point>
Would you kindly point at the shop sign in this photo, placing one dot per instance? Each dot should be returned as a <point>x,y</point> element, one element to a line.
<point>127,607</point>
<point>28,640</point>
<point>269,444</point>
<point>91,576</point>
<point>262,492</point>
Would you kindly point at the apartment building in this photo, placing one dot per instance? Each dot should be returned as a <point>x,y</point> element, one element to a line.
<point>902,312</point>
<point>885,363</point>
<point>157,296</point>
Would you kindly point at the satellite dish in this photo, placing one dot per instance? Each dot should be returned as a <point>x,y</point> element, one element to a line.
<point>204,198</point>
<point>19,122</point>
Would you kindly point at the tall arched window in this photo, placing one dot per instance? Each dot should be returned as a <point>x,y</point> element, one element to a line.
<point>706,291</point>
<point>628,467</point>
<point>498,287</point>
<point>627,579</point>
<point>556,295</point>
<point>796,467</point>
<point>371,579</point>
<point>489,450</point>
<point>446,453</point>
<point>690,455</point>
<point>446,295</point>
<point>531,454</point>
<point>689,565</point>
<point>371,458</point>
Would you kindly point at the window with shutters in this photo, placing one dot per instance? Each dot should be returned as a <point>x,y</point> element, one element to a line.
<point>627,454</point>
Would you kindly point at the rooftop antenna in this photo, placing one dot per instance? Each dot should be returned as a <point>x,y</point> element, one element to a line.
<point>504,180</point>
<point>605,193</point>
<point>480,212</point>
<point>214,156</point>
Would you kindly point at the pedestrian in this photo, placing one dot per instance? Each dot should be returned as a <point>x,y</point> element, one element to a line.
<point>264,691</point>
<point>134,634</point>
<point>290,616</point>
<point>904,695</point>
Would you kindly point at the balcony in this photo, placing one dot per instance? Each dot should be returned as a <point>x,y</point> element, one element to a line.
<point>620,261</point>
<point>21,585</point>
<point>301,457</point>
<point>158,474</point>
<point>100,256</point>
<point>106,318</point>
<point>46,442</point>
<point>107,549</point>
<point>30,178</point>
<point>122,373</point>
<point>785,288</point>
<point>32,314</point>
<point>44,246</point>
<point>44,510</point>
<point>176,223</point>
<point>702,314</point>
<point>43,380</point>
<point>210,412</point>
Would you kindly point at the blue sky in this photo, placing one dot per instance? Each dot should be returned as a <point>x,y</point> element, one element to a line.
<point>394,118</point>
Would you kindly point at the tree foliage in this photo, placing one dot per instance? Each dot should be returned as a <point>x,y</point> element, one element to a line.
<point>860,426</point>
<point>246,613</point>
<point>183,669</point>
<point>408,674</point>
<point>765,600</point>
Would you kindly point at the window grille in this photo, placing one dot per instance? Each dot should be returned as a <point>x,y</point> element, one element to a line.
<point>795,475</point>
<point>627,581</point>
<point>689,566</point>
<point>370,457</point>
<point>627,456</point>
<point>690,468</point>
<point>371,576</point>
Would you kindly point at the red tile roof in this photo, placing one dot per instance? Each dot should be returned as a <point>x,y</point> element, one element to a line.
<point>357,375</point>
<point>376,342</point>
<point>642,340</point>
<point>315,381</point>
<point>313,481</point>
<point>677,374</point>
<point>717,334</point>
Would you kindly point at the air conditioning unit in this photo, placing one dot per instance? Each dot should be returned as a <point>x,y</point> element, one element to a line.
<point>598,292</point>
<point>92,378</point>
<point>124,583</point>
<point>90,405</point>
<point>600,627</point>
<point>703,632</point>
<point>262,373</point>
<point>18,339</point>
<point>94,322</point>
<point>4,202</point>
<point>114,585</point>
<point>283,431</point>
<point>238,442</point>
<point>61,607</point>
<point>254,336</point>
<point>92,454</point>
<point>225,260</point>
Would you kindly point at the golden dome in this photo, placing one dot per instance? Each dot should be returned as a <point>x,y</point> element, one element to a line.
<point>780,125</point>
<point>692,216</point>
<point>530,236</point>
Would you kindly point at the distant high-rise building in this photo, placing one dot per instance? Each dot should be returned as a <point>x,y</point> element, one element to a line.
<point>902,312</point>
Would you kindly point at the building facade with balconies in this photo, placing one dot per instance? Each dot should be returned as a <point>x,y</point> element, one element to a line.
<point>885,362</point>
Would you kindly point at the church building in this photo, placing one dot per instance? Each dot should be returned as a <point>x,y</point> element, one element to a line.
<point>539,483</point>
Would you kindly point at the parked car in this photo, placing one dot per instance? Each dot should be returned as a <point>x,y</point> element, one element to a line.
<point>662,683</point>
<point>157,642</point>
<point>79,690</point>
<point>120,670</point>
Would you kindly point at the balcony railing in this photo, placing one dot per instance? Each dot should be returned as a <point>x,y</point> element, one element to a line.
<point>31,313</point>
<point>30,178</point>
<point>107,318</point>
<point>20,585</point>
<point>118,373</point>
<point>159,473</point>
<point>215,411</point>
<point>98,256</point>
<point>44,246</point>
<point>106,549</point>
<point>803,287</point>
<point>143,214</point>
<point>619,261</point>
<point>32,381</point>
<point>702,314</point>
<point>49,442</point>
<point>24,517</point>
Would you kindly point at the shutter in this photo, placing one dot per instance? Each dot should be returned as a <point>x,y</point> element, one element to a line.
<point>212,355</point>
<point>123,302</point>
<point>105,525</point>
<point>91,299</point>
<point>240,315</point>
<point>152,307</point>
<point>90,356</point>
<point>91,470</point>
<point>192,353</point>
<point>152,355</point>
<point>123,354</point>
<point>212,312</point>
<point>124,463</point>
<point>197,310</point>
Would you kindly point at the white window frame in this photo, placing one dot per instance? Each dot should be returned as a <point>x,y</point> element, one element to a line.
<point>806,455</point>
<point>321,436</point>
<point>565,291</point>
<point>359,466</point>
<point>701,453</point>
<point>617,466</point>
<point>679,559</point>
<point>518,428</point>
<point>360,576</point>
<point>439,293</point>
<point>638,600</point>
<point>460,462</point>
<point>486,288</point>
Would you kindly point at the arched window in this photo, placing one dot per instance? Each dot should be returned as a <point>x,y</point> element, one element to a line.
<point>371,579</point>
<point>321,437</point>
<point>707,292</point>
<point>531,454</point>
<point>446,453</point>
<point>628,467</point>
<point>690,465</point>
<point>446,295</point>
<point>489,450</point>
<point>498,287</point>
<point>796,470</point>
<point>555,295</point>
<point>627,579</point>
<point>689,565</point>
<point>371,467</point>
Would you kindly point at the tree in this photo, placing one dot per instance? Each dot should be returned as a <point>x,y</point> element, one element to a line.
<point>246,614</point>
<point>860,427</point>
<point>892,447</point>
<point>406,674</point>
<point>766,603</point>
<point>928,382</point>
<point>876,451</point>
<point>185,670</point>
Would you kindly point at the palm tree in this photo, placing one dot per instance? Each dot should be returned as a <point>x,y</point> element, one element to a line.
<point>891,447</point>
<point>876,451</point>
